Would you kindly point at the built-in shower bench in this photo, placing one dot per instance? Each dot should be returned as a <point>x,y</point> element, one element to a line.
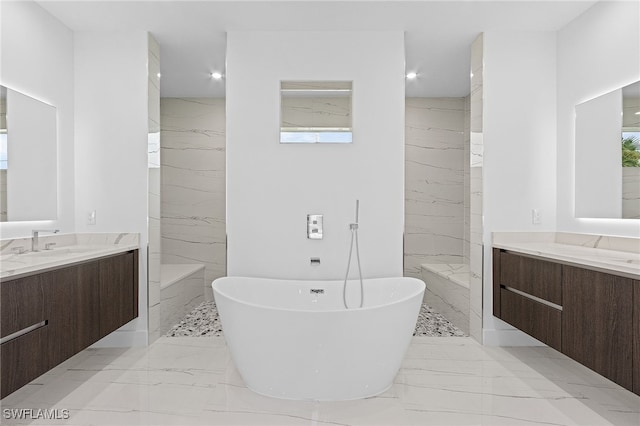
<point>447,291</point>
<point>181,290</point>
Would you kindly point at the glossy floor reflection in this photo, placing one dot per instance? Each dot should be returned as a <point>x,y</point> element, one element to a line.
<point>443,381</point>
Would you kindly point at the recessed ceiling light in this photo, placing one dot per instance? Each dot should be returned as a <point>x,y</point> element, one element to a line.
<point>412,75</point>
<point>216,75</point>
<point>159,75</point>
<point>638,113</point>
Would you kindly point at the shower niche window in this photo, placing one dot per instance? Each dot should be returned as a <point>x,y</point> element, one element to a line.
<point>315,112</point>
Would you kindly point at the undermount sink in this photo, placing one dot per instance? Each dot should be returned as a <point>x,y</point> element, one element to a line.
<point>630,261</point>
<point>59,252</point>
<point>48,253</point>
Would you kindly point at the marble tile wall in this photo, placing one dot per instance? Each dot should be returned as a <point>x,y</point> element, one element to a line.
<point>155,248</point>
<point>3,173</point>
<point>434,182</point>
<point>316,112</point>
<point>475,192</point>
<point>193,184</point>
<point>3,195</point>
<point>631,192</point>
<point>467,180</point>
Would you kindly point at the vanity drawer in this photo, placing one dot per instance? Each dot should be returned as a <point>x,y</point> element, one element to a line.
<point>22,303</point>
<point>534,318</point>
<point>23,359</point>
<point>532,276</point>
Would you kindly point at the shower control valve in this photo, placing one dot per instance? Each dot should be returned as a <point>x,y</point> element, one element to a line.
<point>314,226</point>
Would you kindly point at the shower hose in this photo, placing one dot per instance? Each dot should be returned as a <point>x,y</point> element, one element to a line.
<point>354,236</point>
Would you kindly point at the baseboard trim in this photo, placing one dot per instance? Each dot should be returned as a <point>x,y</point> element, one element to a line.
<point>123,339</point>
<point>506,337</point>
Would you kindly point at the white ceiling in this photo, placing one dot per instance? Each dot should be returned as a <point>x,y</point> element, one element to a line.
<point>438,34</point>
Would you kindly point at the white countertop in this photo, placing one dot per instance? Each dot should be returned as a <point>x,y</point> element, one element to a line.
<point>69,249</point>
<point>15,265</point>
<point>625,263</point>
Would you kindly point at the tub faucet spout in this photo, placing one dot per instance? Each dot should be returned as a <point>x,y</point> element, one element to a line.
<point>34,237</point>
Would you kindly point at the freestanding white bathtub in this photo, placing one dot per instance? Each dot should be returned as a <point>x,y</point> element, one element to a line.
<point>295,340</point>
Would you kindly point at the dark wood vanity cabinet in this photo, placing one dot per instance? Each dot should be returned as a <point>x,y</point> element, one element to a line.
<point>534,318</point>
<point>636,337</point>
<point>22,306</point>
<point>58,313</point>
<point>590,316</point>
<point>118,298</point>
<point>597,322</point>
<point>22,303</point>
<point>73,305</point>
<point>535,277</point>
<point>529,296</point>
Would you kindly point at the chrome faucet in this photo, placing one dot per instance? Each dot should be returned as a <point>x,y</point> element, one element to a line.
<point>34,238</point>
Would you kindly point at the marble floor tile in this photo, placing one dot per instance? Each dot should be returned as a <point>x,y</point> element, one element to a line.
<point>442,381</point>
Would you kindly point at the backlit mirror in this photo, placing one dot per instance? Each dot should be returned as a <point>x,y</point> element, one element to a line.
<point>315,112</point>
<point>607,155</point>
<point>28,158</point>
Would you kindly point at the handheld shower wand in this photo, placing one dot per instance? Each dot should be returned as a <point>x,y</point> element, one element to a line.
<point>354,226</point>
<point>357,208</point>
<point>354,235</point>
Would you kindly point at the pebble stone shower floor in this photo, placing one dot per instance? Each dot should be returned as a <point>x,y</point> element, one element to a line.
<point>205,321</point>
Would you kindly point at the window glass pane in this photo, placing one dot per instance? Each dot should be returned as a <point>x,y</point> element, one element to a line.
<point>315,112</point>
<point>3,151</point>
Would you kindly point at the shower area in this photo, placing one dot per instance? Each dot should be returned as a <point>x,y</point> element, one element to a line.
<point>191,225</point>
<point>191,200</point>
<point>187,240</point>
<point>437,210</point>
<point>443,200</point>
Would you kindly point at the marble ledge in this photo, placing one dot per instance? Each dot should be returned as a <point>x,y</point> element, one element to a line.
<point>459,273</point>
<point>68,249</point>
<point>615,255</point>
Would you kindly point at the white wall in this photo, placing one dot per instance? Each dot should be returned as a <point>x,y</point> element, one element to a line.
<point>597,52</point>
<point>519,126</point>
<point>37,60</point>
<point>272,187</point>
<point>111,144</point>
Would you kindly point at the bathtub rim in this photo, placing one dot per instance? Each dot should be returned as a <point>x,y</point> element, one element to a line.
<point>419,292</point>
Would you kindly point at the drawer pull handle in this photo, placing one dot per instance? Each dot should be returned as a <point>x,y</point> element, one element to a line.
<point>22,332</point>
<point>529,296</point>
